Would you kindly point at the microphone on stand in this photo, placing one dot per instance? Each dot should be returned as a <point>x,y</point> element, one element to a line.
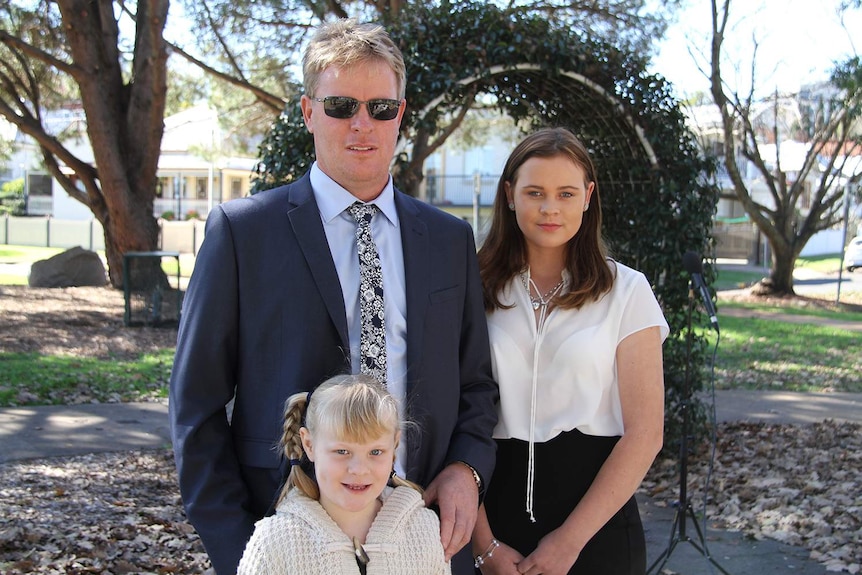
<point>694,266</point>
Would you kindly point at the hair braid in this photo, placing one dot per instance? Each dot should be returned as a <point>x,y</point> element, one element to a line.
<point>291,446</point>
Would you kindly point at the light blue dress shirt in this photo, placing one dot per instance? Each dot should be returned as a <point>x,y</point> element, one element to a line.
<point>340,228</point>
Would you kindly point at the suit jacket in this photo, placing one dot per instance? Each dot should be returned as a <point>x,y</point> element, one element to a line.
<point>263,318</point>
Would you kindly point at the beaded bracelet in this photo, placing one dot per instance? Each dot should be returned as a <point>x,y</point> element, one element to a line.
<point>489,552</point>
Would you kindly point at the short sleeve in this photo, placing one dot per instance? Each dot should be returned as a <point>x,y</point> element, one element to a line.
<point>641,309</point>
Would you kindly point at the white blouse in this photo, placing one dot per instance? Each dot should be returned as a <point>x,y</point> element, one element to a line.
<point>574,375</point>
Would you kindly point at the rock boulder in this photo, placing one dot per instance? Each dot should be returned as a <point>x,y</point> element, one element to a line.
<point>74,267</point>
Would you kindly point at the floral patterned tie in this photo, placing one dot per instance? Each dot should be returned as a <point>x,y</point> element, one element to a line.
<point>372,340</point>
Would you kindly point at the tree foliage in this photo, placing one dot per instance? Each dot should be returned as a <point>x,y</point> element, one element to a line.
<point>120,84</point>
<point>539,63</point>
<point>281,27</point>
<point>826,120</point>
<point>655,201</point>
<point>12,198</point>
<point>266,62</point>
<point>242,119</point>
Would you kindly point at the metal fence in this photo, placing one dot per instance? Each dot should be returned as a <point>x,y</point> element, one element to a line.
<point>738,241</point>
<point>183,237</point>
<point>460,190</point>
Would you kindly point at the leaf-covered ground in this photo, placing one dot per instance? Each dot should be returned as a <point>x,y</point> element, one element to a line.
<point>121,513</point>
<point>114,513</point>
<point>797,484</point>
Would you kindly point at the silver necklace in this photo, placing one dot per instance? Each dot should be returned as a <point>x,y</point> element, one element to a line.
<point>540,300</point>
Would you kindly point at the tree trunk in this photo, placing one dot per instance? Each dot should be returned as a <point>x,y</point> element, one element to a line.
<point>409,178</point>
<point>780,280</point>
<point>139,232</point>
<point>125,120</point>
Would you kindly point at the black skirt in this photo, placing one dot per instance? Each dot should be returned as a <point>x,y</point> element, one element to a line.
<point>564,468</point>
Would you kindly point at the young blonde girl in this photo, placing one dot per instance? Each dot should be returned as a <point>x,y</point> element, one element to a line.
<point>342,509</point>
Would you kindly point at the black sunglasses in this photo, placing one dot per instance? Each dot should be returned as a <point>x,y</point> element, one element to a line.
<point>343,107</point>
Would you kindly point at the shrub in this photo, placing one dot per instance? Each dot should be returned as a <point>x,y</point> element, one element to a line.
<point>12,198</point>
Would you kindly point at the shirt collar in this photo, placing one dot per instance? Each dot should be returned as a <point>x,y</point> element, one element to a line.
<point>332,199</point>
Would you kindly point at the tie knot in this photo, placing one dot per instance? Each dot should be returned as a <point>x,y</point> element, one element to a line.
<point>362,213</point>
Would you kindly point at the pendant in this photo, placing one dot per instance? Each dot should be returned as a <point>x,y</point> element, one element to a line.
<point>536,305</point>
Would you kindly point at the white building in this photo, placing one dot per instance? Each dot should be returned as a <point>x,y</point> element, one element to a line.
<point>788,155</point>
<point>192,175</point>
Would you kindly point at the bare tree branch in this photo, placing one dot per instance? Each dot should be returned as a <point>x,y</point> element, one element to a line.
<point>805,194</point>
<point>34,52</point>
<point>275,103</point>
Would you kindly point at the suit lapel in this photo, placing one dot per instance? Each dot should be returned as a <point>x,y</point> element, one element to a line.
<point>308,229</point>
<point>415,244</point>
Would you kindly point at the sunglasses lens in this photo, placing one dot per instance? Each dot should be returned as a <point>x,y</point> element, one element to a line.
<point>340,107</point>
<point>383,109</point>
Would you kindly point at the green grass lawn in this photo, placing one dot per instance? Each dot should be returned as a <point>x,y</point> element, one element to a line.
<point>22,254</point>
<point>824,264</point>
<point>764,354</point>
<point>13,280</point>
<point>33,379</point>
<point>769,354</point>
<point>732,279</point>
<point>735,279</point>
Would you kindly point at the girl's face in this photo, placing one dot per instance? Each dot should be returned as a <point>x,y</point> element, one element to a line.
<point>550,196</point>
<point>350,475</point>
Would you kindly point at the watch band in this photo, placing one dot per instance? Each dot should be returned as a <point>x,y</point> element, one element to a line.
<point>476,477</point>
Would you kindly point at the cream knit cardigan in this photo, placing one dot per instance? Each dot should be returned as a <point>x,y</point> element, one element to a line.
<point>302,539</point>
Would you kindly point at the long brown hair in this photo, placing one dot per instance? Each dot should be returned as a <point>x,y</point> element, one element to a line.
<point>504,252</point>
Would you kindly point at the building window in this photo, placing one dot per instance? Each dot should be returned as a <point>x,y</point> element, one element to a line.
<point>201,188</point>
<point>235,188</point>
<point>806,195</point>
<point>39,184</point>
<point>162,185</point>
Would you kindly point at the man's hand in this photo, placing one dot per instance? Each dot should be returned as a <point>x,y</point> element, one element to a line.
<point>456,494</point>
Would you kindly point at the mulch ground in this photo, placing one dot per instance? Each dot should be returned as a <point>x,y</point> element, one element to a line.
<point>121,513</point>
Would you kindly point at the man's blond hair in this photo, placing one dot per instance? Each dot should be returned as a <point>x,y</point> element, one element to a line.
<point>346,42</point>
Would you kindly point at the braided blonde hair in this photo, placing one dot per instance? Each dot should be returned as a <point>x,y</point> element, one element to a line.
<point>351,408</point>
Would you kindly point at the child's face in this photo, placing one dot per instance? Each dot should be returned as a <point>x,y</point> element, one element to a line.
<point>350,475</point>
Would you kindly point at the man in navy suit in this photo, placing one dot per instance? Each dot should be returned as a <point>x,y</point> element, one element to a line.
<point>272,309</point>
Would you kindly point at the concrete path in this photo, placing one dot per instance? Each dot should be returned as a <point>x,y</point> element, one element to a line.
<point>55,431</point>
<point>786,407</point>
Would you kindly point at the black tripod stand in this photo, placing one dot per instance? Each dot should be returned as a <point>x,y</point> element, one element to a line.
<point>684,510</point>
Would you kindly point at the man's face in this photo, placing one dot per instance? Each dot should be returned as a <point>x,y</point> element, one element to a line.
<point>355,152</point>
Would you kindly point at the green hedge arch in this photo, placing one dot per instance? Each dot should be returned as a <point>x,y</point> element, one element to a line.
<point>656,200</point>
